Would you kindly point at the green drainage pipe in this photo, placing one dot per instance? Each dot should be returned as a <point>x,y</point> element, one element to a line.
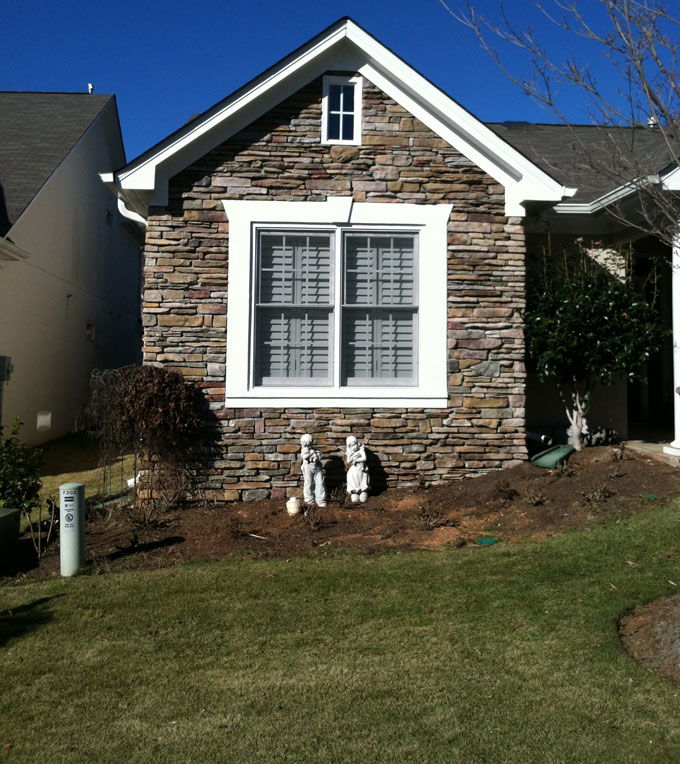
<point>551,457</point>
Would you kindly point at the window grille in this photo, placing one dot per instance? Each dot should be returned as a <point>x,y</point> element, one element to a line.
<point>293,309</point>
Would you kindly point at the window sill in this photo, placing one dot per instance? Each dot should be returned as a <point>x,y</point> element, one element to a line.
<point>328,142</point>
<point>303,400</point>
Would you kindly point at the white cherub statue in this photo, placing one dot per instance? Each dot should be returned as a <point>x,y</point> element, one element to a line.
<point>312,472</point>
<point>357,472</point>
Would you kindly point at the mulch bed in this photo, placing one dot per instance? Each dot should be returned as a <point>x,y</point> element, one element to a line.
<point>651,634</point>
<point>519,504</point>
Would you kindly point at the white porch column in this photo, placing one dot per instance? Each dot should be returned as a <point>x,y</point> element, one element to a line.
<point>674,447</point>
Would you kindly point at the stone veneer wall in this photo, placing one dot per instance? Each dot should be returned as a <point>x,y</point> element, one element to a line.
<point>280,157</point>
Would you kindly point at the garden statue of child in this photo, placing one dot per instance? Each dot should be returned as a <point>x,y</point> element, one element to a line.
<point>357,472</point>
<point>313,473</point>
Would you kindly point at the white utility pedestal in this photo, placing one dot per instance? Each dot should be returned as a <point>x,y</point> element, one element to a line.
<point>71,527</point>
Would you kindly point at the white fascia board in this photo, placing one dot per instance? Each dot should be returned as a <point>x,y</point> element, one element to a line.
<point>615,195</point>
<point>457,126</point>
<point>671,180</point>
<point>132,204</point>
<point>521,178</point>
<point>9,251</point>
<point>142,176</point>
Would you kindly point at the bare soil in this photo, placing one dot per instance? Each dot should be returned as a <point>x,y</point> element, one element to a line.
<point>523,503</point>
<point>651,634</point>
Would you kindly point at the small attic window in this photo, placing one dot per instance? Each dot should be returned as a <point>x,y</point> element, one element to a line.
<point>341,110</point>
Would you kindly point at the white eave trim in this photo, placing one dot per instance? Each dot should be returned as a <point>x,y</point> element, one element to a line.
<point>616,195</point>
<point>9,251</point>
<point>671,180</point>
<point>522,179</point>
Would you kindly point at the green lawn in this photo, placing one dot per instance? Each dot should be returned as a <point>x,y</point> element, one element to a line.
<point>483,655</point>
<point>75,459</point>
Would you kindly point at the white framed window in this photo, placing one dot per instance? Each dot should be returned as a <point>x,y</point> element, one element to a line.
<point>336,303</point>
<point>293,314</point>
<point>341,110</point>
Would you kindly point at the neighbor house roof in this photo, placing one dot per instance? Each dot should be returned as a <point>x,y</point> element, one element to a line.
<point>595,159</point>
<point>37,131</point>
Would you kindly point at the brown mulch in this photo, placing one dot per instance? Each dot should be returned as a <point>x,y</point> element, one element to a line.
<point>651,634</point>
<point>519,504</point>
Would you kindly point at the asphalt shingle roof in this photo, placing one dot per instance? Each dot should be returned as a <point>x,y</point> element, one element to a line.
<point>37,130</point>
<point>594,159</point>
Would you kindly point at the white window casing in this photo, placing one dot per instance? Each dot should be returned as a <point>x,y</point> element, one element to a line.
<point>339,112</point>
<point>391,314</point>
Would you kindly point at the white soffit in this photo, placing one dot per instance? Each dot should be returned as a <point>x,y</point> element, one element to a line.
<point>344,46</point>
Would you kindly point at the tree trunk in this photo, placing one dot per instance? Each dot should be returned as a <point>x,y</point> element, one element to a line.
<point>577,408</point>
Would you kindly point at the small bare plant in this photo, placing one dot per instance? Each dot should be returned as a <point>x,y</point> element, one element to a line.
<point>563,470</point>
<point>339,495</point>
<point>534,497</point>
<point>598,493</point>
<point>43,530</point>
<point>431,519</point>
<point>313,519</point>
<point>234,527</point>
<point>504,493</point>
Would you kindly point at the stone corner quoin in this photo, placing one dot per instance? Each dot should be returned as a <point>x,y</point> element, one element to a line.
<point>280,157</point>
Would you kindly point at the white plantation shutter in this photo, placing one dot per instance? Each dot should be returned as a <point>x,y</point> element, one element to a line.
<point>295,269</point>
<point>378,340</point>
<point>379,270</point>
<point>293,312</point>
<point>378,344</point>
<point>294,343</point>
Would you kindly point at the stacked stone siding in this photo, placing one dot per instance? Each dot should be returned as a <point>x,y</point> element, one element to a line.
<point>280,157</point>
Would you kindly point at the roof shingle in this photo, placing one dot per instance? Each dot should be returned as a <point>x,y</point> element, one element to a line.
<point>596,159</point>
<point>37,130</point>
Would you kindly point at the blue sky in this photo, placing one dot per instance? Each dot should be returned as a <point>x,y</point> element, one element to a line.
<point>168,60</point>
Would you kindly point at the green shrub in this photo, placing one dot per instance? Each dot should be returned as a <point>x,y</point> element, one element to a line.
<point>19,472</point>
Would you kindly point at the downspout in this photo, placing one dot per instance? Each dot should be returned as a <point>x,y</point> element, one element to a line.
<point>126,212</point>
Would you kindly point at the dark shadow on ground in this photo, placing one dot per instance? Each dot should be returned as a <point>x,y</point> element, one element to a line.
<point>22,558</point>
<point>72,453</point>
<point>19,621</point>
<point>147,547</point>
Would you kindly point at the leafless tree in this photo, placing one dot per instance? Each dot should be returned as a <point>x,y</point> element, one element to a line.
<point>624,64</point>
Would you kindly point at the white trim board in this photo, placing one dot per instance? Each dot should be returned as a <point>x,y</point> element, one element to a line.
<point>10,251</point>
<point>669,182</point>
<point>345,46</point>
<point>432,224</point>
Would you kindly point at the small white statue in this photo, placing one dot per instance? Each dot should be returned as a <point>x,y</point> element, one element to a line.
<point>357,471</point>
<point>312,472</point>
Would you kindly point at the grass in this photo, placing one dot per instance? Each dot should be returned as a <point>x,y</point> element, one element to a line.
<point>506,654</point>
<point>73,459</point>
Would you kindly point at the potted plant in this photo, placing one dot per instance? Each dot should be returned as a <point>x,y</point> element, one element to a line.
<point>19,486</point>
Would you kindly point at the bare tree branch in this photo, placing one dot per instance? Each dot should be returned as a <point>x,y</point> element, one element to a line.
<point>630,86</point>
